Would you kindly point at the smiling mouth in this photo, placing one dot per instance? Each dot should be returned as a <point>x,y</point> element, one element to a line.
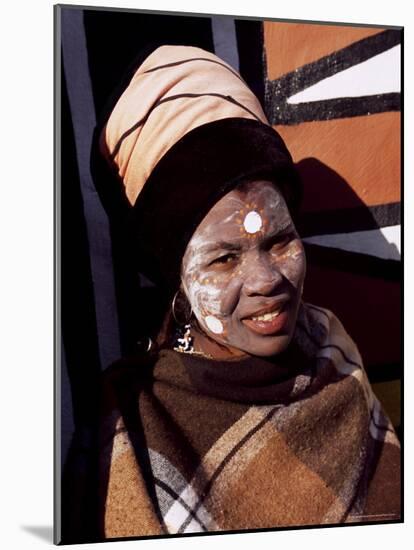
<point>267,316</point>
<point>269,311</point>
<point>269,322</point>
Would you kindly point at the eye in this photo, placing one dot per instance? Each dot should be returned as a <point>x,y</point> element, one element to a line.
<point>279,242</point>
<point>225,259</point>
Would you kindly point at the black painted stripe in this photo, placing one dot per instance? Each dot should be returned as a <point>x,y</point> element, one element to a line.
<point>334,63</point>
<point>329,109</point>
<point>349,220</point>
<point>176,63</point>
<point>353,262</point>
<point>226,460</point>
<point>177,497</point>
<point>172,98</point>
<point>279,90</point>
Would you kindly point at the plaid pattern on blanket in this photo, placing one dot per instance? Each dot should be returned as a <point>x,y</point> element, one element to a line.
<point>196,445</point>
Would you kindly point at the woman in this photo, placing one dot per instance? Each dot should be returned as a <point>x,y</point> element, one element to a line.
<point>250,409</point>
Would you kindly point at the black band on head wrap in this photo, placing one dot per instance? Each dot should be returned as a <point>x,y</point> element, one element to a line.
<point>193,175</point>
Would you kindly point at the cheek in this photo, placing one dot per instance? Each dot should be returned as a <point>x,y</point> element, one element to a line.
<point>293,264</point>
<point>206,298</point>
<point>212,302</point>
<point>231,295</point>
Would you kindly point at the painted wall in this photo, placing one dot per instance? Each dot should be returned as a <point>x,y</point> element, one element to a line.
<point>333,93</point>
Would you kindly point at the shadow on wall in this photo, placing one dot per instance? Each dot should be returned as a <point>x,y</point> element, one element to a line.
<point>353,261</point>
<point>331,207</point>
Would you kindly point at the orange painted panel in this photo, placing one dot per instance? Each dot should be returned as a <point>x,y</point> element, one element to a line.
<point>291,45</point>
<point>347,162</point>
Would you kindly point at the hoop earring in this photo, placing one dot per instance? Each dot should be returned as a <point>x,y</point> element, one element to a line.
<point>173,306</point>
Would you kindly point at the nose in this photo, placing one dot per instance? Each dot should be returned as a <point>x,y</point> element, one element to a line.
<point>262,278</point>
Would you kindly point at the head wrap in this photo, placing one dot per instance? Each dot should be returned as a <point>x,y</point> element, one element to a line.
<point>185,131</point>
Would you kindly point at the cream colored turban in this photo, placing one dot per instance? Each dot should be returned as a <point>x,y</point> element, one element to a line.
<point>175,90</point>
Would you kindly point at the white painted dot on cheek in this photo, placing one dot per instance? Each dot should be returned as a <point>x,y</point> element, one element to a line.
<point>253,222</point>
<point>214,324</point>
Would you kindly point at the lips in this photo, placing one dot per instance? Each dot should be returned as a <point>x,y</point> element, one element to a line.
<point>273,306</point>
<point>269,320</point>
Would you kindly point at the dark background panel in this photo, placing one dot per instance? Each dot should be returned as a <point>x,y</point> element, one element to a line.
<point>80,361</point>
<point>79,330</point>
<point>250,48</point>
<point>118,41</point>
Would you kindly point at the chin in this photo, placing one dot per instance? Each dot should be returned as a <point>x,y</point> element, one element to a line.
<point>269,346</point>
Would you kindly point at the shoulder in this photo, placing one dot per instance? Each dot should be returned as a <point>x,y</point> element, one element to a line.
<point>322,315</point>
<point>333,329</point>
<point>319,330</point>
<point>332,341</point>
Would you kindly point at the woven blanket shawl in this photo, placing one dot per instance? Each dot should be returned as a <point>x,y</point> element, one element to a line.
<point>196,445</point>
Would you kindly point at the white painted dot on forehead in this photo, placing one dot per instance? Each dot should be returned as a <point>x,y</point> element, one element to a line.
<point>214,324</point>
<point>253,222</point>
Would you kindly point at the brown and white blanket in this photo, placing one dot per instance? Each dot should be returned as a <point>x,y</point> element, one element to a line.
<point>191,444</point>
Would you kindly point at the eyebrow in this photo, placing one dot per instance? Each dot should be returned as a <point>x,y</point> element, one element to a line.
<point>223,245</point>
<point>290,228</point>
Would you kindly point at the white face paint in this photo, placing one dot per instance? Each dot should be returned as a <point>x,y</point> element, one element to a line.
<point>244,257</point>
<point>214,324</point>
<point>253,222</point>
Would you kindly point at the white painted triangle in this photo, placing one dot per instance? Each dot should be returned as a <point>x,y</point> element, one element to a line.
<point>378,75</point>
<point>383,243</point>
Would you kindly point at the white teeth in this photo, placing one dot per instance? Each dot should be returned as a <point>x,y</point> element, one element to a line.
<point>267,316</point>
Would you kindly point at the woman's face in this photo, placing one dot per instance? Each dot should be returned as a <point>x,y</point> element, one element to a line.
<point>243,271</point>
